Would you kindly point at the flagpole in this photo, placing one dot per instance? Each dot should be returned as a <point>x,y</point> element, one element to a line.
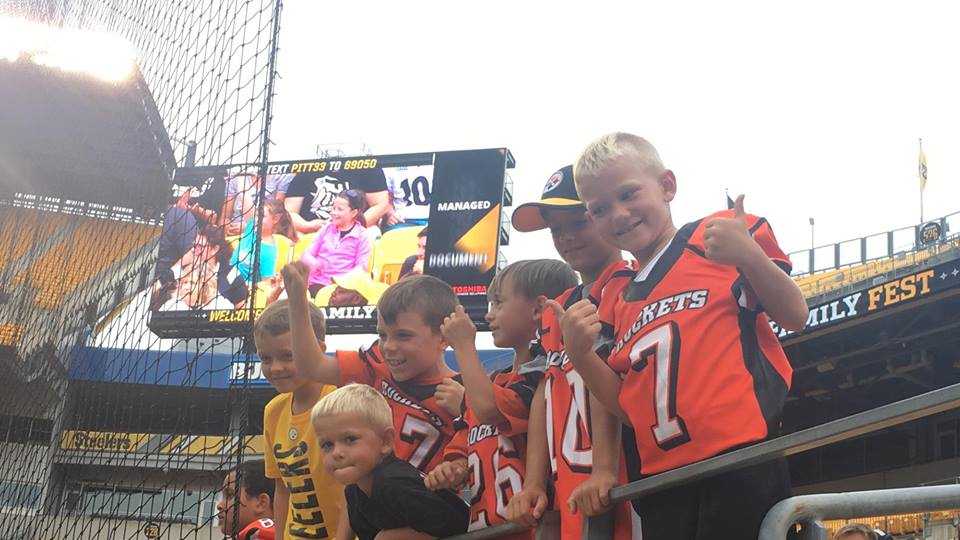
<point>920,140</point>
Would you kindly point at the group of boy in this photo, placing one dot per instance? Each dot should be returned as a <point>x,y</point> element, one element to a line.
<point>635,368</point>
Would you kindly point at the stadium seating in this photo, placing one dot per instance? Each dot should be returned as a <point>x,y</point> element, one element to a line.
<point>391,250</point>
<point>68,262</point>
<point>833,279</point>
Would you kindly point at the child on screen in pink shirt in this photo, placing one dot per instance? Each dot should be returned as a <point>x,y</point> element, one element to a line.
<point>341,245</point>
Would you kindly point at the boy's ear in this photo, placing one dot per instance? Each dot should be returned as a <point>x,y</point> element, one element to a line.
<point>387,440</point>
<point>323,345</point>
<point>668,182</point>
<point>541,304</point>
<point>264,504</point>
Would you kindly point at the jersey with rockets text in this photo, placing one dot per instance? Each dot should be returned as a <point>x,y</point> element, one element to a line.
<point>495,453</point>
<point>702,370</point>
<point>423,427</point>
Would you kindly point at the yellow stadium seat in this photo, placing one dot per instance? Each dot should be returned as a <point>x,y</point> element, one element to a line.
<point>302,245</point>
<point>10,334</point>
<point>391,250</point>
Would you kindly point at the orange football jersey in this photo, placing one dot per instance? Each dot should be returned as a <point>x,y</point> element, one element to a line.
<point>423,427</point>
<point>261,529</point>
<point>495,454</point>
<point>702,370</point>
<point>568,408</point>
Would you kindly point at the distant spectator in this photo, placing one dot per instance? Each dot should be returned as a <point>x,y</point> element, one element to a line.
<point>409,196</point>
<point>310,196</point>
<point>276,221</point>
<point>204,278</point>
<point>342,245</point>
<point>239,205</point>
<point>856,531</point>
<point>414,263</point>
<point>245,505</point>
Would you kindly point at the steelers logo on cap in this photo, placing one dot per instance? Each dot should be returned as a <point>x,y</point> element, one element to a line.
<point>553,182</point>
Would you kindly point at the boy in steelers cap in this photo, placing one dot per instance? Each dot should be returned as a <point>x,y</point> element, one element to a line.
<point>584,472</point>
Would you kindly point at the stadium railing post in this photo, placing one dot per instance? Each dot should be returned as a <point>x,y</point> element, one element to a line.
<point>549,527</point>
<point>598,527</point>
<point>813,530</point>
<point>810,508</point>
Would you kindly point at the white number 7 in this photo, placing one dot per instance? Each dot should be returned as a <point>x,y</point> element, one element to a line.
<point>661,347</point>
<point>424,435</point>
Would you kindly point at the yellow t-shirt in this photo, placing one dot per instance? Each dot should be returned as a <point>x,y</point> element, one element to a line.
<point>291,453</point>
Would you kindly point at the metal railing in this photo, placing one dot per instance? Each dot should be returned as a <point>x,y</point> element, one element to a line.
<point>838,282</point>
<point>882,417</point>
<point>868,248</point>
<point>810,510</point>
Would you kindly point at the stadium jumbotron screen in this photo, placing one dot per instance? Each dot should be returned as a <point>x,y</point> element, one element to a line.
<point>359,224</point>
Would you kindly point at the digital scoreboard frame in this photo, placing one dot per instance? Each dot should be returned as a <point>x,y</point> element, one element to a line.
<point>359,223</point>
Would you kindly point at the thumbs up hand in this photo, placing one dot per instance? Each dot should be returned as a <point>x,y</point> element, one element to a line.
<point>728,241</point>
<point>580,325</point>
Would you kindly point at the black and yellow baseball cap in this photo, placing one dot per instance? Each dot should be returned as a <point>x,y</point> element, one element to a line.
<point>559,192</point>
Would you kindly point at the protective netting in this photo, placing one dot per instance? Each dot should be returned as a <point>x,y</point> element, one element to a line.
<point>107,430</point>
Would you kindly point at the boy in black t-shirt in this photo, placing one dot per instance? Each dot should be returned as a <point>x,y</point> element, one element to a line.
<point>310,196</point>
<point>386,497</point>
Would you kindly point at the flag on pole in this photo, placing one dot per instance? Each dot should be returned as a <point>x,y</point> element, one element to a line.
<point>922,170</point>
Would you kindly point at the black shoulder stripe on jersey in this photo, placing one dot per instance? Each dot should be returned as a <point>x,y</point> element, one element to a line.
<point>623,273</point>
<point>768,386</point>
<point>737,289</point>
<point>604,343</point>
<point>785,266</point>
<point>526,387</point>
<point>697,250</point>
<point>420,392</point>
<point>639,291</point>
<point>368,355</point>
<point>757,225</point>
<point>574,297</point>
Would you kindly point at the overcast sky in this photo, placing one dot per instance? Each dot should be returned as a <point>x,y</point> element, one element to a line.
<point>812,109</point>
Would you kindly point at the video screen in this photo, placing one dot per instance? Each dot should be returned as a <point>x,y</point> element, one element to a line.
<point>359,225</point>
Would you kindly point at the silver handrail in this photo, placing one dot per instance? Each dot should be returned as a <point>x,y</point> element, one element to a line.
<point>936,401</point>
<point>812,508</point>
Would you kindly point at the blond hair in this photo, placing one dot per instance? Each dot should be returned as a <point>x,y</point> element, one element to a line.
<point>354,398</point>
<point>856,529</point>
<point>275,320</point>
<point>612,146</point>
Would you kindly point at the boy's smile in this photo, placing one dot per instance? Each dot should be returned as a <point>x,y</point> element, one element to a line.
<point>411,348</point>
<point>630,205</point>
<point>578,241</point>
<point>276,361</point>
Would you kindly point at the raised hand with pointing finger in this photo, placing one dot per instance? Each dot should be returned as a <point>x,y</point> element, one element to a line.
<point>728,240</point>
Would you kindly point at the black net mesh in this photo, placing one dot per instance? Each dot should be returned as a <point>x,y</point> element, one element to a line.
<point>106,430</point>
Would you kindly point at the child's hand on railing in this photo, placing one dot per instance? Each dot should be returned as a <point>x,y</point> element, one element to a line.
<point>527,507</point>
<point>592,497</point>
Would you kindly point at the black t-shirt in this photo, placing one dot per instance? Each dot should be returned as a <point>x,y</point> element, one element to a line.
<point>319,189</point>
<point>399,499</point>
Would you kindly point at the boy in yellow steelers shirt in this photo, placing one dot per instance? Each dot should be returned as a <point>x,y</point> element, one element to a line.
<point>307,502</point>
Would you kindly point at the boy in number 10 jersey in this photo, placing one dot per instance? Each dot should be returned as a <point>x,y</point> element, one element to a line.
<point>581,456</point>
